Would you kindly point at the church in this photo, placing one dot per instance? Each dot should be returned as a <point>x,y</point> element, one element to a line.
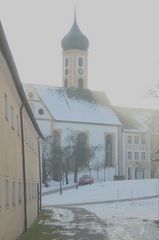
<point>74,107</point>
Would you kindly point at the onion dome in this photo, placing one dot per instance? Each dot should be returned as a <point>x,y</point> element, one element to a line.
<point>75,39</point>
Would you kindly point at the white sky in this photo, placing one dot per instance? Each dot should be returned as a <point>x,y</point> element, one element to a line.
<point>123,35</point>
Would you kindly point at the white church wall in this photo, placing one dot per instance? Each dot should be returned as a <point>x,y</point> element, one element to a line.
<point>40,111</point>
<point>96,137</point>
<point>45,127</point>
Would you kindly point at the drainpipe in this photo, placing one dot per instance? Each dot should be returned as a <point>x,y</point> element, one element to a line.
<point>23,166</point>
<point>39,174</point>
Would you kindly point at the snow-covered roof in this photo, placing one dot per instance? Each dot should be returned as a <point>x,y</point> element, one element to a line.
<point>138,118</point>
<point>77,105</point>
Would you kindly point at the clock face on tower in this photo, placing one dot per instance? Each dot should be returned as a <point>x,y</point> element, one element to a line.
<point>80,71</point>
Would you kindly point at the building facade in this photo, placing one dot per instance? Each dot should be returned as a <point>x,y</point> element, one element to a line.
<point>74,107</point>
<point>20,151</point>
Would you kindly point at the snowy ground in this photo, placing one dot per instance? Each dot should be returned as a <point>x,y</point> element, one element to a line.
<point>113,190</point>
<point>130,220</point>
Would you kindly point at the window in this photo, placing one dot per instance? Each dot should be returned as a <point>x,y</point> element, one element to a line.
<point>143,140</point>
<point>129,173</point>
<point>19,192</point>
<point>66,71</point>
<point>136,155</point>
<point>80,61</point>
<point>6,106</point>
<point>41,111</point>
<point>56,137</point>
<point>66,83</point>
<point>136,140</point>
<point>129,139</point>
<point>7,192</point>
<point>143,173</point>
<point>66,62</point>
<point>108,150</point>
<point>129,155</point>
<point>13,194</point>
<point>136,173</point>
<point>80,83</point>
<point>143,156</point>
<point>12,116</point>
<point>18,125</point>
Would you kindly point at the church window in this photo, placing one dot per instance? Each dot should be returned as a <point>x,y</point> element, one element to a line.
<point>108,150</point>
<point>41,111</point>
<point>66,62</point>
<point>80,83</point>
<point>56,137</point>
<point>66,83</point>
<point>82,139</point>
<point>80,61</point>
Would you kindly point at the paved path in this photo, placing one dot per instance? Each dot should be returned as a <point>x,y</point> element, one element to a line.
<point>84,226</point>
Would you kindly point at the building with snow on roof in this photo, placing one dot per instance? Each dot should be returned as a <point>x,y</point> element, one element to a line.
<point>124,134</point>
<point>73,107</point>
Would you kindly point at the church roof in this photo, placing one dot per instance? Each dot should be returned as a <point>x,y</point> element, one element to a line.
<point>75,39</point>
<point>77,105</point>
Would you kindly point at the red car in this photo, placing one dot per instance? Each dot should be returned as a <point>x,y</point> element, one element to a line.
<point>85,179</point>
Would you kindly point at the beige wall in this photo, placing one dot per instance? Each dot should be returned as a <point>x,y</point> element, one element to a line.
<point>11,167</point>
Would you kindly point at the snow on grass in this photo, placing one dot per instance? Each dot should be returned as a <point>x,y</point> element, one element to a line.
<point>113,190</point>
<point>129,220</point>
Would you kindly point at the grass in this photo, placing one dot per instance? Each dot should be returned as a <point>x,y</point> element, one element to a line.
<point>39,231</point>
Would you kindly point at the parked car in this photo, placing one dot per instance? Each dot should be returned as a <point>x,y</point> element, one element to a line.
<point>85,179</point>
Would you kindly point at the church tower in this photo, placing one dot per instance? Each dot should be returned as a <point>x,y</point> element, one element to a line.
<point>75,58</point>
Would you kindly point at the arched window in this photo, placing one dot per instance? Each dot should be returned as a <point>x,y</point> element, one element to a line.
<point>108,150</point>
<point>129,173</point>
<point>82,139</point>
<point>66,83</point>
<point>56,137</point>
<point>80,83</point>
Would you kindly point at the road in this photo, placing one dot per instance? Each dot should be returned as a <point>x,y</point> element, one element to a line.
<point>84,226</point>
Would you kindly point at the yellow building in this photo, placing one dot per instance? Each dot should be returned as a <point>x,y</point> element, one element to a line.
<point>20,152</point>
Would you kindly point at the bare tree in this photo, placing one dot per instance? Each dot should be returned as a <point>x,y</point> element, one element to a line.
<point>46,160</point>
<point>81,152</point>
